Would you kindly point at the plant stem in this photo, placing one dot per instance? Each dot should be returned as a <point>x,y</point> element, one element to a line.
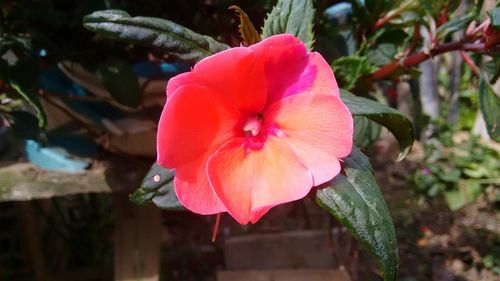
<point>417,58</point>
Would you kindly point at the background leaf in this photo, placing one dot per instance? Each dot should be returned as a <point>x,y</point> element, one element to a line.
<point>158,187</point>
<point>293,17</point>
<point>120,80</point>
<point>456,24</point>
<point>495,17</point>
<point>24,124</point>
<point>23,77</point>
<point>393,120</point>
<point>355,200</point>
<point>173,38</point>
<point>248,33</point>
<point>349,69</point>
<point>489,104</point>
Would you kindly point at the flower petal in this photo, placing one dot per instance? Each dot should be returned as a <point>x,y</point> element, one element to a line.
<point>194,121</point>
<point>318,128</point>
<point>193,189</point>
<point>235,73</point>
<point>250,182</point>
<point>324,81</point>
<point>285,59</point>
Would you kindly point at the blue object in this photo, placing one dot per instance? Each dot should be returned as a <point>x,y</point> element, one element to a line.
<point>163,71</point>
<point>63,143</point>
<point>53,158</point>
<point>55,81</point>
<point>340,13</point>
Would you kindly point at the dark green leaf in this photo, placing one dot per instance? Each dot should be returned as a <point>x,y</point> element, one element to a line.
<point>158,187</point>
<point>248,33</point>
<point>120,80</point>
<point>365,131</point>
<point>393,120</point>
<point>23,77</point>
<point>355,200</point>
<point>492,67</point>
<point>456,24</point>
<point>495,17</point>
<point>489,103</point>
<point>173,38</point>
<point>293,17</point>
<point>24,124</point>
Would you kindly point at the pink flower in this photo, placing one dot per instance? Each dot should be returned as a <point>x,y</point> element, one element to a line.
<point>253,127</point>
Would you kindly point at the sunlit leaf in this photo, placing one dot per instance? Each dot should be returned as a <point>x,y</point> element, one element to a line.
<point>291,16</point>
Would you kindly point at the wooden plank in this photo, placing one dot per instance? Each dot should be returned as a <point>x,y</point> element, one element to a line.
<point>297,249</point>
<point>22,181</point>
<point>137,241</point>
<point>31,241</point>
<point>283,275</point>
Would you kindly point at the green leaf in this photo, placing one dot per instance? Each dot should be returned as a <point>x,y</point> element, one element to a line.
<point>492,67</point>
<point>355,200</point>
<point>489,103</point>
<point>393,120</point>
<point>456,24</point>
<point>120,80</point>
<point>291,16</point>
<point>465,194</point>
<point>23,124</point>
<point>495,17</point>
<point>365,131</point>
<point>382,54</point>
<point>158,187</point>
<point>23,77</point>
<point>349,69</point>
<point>173,38</point>
<point>248,33</point>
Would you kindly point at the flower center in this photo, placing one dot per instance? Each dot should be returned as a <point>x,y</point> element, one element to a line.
<point>253,126</point>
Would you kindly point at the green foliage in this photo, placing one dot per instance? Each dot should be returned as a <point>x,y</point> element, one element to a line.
<point>366,131</point>
<point>158,187</point>
<point>393,120</point>
<point>456,24</point>
<point>119,79</point>
<point>293,17</point>
<point>495,17</point>
<point>168,36</point>
<point>355,200</point>
<point>23,78</point>
<point>458,170</point>
<point>489,103</point>
<point>349,69</point>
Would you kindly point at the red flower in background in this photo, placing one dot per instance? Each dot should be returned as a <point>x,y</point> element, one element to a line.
<point>253,127</point>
